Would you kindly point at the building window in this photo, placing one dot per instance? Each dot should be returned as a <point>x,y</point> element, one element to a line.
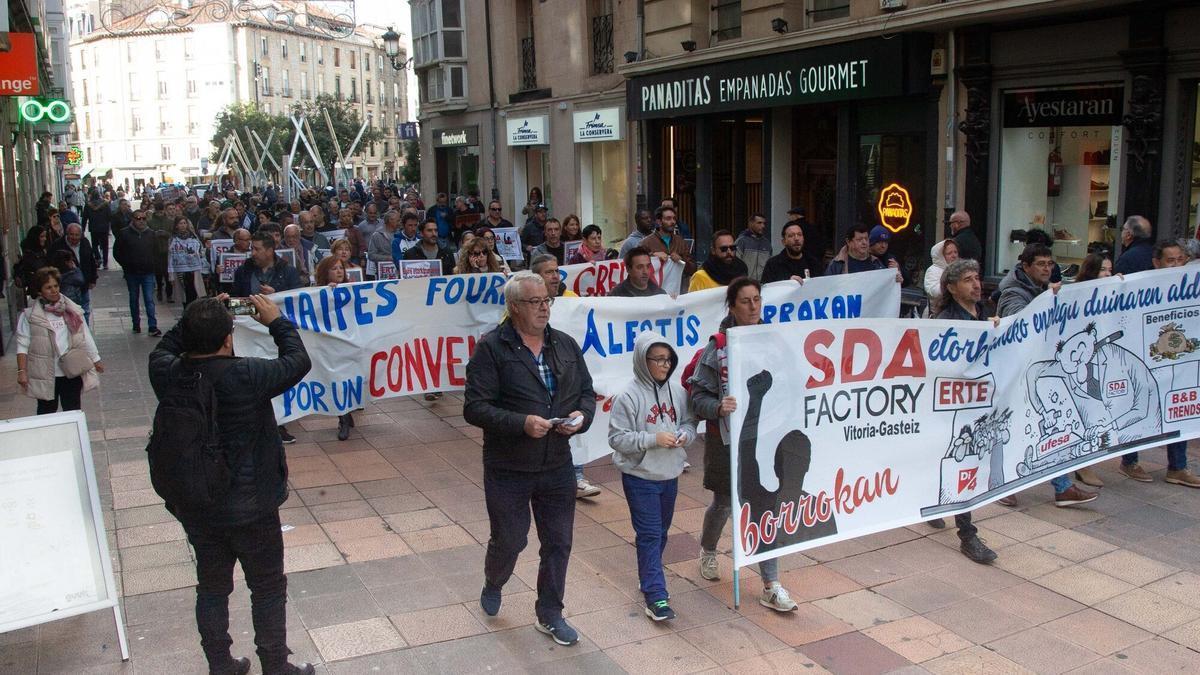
<point>287,85</point>
<point>354,90</point>
<point>85,92</point>
<point>303,53</point>
<point>320,55</point>
<point>728,19</point>
<point>193,152</point>
<point>192,124</point>
<point>191,84</point>
<point>83,59</point>
<point>337,87</point>
<point>381,63</point>
<point>266,81</point>
<point>382,98</point>
<point>134,86</point>
<point>165,151</point>
<point>437,30</point>
<point>164,122</point>
<point>159,50</point>
<point>283,49</point>
<point>367,63</point>
<point>135,122</point>
<point>367,88</point>
<point>303,84</point>
<point>162,86</point>
<point>133,152</point>
<point>263,46</point>
<point>602,36</point>
<point>187,48</point>
<point>458,84</point>
<point>87,124</point>
<point>96,58</point>
<point>825,10</point>
<point>337,57</point>
<point>129,52</point>
<point>396,94</point>
<point>351,60</point>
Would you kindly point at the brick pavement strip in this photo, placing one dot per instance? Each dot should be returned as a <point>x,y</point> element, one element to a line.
<point>389,530</point>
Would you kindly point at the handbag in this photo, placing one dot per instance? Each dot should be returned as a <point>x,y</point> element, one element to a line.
<point>75,362</point>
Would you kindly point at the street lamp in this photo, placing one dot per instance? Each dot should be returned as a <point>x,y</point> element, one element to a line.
<point>391,47</point>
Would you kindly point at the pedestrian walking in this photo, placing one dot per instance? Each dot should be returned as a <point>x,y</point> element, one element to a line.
<point>135,252</point>
<point>529,389</point>
<point>650,427</point>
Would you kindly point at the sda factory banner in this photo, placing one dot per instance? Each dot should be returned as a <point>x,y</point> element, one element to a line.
<point>852,427</point>
<point>377,340</point>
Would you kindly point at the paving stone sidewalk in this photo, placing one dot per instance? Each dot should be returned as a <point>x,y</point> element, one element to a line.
<point>387,532</point>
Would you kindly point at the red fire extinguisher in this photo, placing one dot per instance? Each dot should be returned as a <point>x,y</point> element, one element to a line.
<point>1054,180</point>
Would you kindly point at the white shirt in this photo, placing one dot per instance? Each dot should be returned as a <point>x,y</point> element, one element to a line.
<point>62,337</point>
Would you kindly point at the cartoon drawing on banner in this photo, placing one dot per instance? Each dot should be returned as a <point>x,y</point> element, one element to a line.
<point>1093,396</point>
<point>788,515</point>
<point>1173,343</point>
<point>974,461</point>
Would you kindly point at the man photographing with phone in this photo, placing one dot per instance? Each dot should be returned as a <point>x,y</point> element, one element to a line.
<point>218,462</point>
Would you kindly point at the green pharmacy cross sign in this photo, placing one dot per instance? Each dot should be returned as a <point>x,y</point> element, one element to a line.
<point>52,109</point>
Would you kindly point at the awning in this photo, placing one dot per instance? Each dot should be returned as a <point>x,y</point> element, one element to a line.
<point>99,171</point>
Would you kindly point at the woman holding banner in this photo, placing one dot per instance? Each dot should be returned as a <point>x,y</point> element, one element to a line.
<point>185,260</point>
<point>331,271</point>
<point>707,387</point>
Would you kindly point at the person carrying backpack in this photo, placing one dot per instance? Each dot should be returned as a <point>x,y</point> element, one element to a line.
<point>217,460</point>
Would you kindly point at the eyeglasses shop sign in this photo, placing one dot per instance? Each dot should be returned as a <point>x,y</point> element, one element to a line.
<point>598,125</point>
<point>527,130</point>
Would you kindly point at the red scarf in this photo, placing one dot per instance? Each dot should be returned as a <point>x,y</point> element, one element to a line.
<point>59,309</point>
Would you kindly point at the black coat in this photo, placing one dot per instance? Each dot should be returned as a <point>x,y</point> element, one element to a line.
<point>443,254</point>
<point>136,250</point>
<point>98,220</point>
<point>87,259</point>
<point>780,267</point>
<point>283,277</point>
<point>503,387</point>
<point>245,419</point>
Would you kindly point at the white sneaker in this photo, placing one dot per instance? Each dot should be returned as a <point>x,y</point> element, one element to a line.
<point>585,489</point>
<point>708,566</point>
<point>776,597</point>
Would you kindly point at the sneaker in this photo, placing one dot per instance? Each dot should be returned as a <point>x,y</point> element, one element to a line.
<point>239,666</point>
<point>708,566</point>
<point>489,600</point>
<point>560,630</point>
<point>154,332</point>
<point>284,436</point>
<point>937,523</point>
<point>1183,477</point>
<point>1089,477</point>
<point>1136,472</point>
<point>977,551</point>
<point>660,611</point>
<point>1009,501</point>
<point>1074,495</point>
<point>585,489</point>
<point>137,330</point>
<point>686,465</point>
<point>433,396</point>
<point>776,597</point>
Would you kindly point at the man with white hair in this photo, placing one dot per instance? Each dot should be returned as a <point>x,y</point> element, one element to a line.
<point>1137,246</point>
<point>85,258</point>
<point>529,389</point>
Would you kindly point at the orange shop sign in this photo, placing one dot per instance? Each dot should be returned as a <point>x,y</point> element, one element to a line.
<point>19,66</point>
<point>895,207</point>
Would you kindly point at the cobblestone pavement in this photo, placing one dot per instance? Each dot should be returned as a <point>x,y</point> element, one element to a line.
<point>384,561</point>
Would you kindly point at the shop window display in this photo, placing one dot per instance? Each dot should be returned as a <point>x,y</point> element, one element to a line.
<point>1063,180</point>
<point>1194,195</point>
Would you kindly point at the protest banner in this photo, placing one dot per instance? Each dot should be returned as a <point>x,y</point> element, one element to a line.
<point>334,235</point>
<point>848,428</point>
<point>229,264</point>
<point>598,278</point>
<point>386,270</point>
<point>392,338</point>
<point>215,248</point>
<point>288,254</point>
<point>569,248</point>
<point>354,275</point>
<point>420,269</point>
<point>508,243</point>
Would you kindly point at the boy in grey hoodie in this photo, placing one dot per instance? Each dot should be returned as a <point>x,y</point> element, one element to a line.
<point>651,424</point>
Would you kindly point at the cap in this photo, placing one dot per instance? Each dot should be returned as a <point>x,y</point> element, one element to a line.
<point>796,211</point>
<point>540,207</point>
<point>879,233</point>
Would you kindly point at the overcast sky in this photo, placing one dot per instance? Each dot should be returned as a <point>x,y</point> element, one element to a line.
<point>394,13</point>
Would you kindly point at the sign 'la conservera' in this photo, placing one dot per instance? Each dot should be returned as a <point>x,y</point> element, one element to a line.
<point>872,68</point>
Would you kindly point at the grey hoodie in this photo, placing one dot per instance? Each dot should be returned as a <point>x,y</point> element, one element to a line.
<point>645,408</point>
<point>1016,291</point>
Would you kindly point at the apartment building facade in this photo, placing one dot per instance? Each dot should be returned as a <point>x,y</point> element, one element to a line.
<point>147,100</point>
<point>738,107</point>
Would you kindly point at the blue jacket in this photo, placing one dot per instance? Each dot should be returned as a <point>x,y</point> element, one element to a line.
<point>1139,257</point>
<point>444,215</point>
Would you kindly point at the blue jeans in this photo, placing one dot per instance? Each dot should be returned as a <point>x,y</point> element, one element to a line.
<point>144,283</point>
<point>1061,484</point>
<point>651,507</point>
<point>85,295</point>
<point>1176,456</point>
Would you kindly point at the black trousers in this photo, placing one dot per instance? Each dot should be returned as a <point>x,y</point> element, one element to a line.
<point>258,546</point>
<point>161,280</point>
<point>68,391</point>
<point>509,496</point>
<point>966,529</point>
<point>100,246</point>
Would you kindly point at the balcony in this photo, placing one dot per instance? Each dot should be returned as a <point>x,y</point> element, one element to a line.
<point>268,91</point>
<point>528,65</point>
<point>285,92</point>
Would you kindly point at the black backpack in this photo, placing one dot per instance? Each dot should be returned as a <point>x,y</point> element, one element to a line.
<point>188,467</point>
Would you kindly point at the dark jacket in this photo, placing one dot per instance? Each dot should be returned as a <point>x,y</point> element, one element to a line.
<point>969,246</point>
<point>503,387</point>
<point>1016,291</point>
<point>838,264</point>
<point>627,290</point>
<point>1139,257</point>
<point>444,254</point>
<point>86,261</point>
<point>245,418</point>
<point>283,277</point>
<point>97,218</point>
<point>955,312</point>
<point>136,250</point>
<point>782,267</point>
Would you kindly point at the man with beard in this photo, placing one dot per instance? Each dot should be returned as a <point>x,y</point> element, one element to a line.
<point>722,265</point>
<point>644,221</point>
<point>666,242</point>
<point>793,262</point>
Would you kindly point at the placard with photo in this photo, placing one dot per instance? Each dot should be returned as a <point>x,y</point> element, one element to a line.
<point>420,269</point>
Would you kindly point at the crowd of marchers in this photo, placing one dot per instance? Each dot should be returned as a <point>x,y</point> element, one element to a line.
<point>528,387</point>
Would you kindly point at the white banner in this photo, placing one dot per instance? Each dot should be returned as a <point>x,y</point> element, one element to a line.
<point>853,427</point>
<point>382,339</point>
<point>420,269</point>
<point>599,278</point>
<point>508,243</point>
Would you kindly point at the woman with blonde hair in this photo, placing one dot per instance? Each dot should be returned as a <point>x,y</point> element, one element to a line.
<point>342,250</point>
<point>476,258</point>
<point>57,359</point>
<point>331,271</point>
